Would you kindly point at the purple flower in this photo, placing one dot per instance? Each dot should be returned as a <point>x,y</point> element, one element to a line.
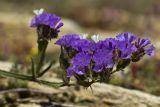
<point>70,71</point>
<point>126,49</point>
<point>81,59</point>
<point>103,59</point>
<point>125,45</point>
<point>83,45</point>
<point>108,44</point>
<point>79,63</point>
<point>75,70</point>
<point>150,50</point>
<point>68,40</point>
<point>49,23</point>
<point>48,19</point>
<point>126,37</point>
<point>142,44</point>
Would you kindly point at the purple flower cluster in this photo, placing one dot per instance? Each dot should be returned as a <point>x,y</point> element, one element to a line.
<point>89,59</point>
<point>103,55</point>
<point>47,24</point>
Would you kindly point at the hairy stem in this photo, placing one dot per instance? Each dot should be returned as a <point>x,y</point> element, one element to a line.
<point>30,78</point>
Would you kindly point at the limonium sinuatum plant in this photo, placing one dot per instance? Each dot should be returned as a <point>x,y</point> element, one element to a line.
<point>92,60</point>
<point>84,57</point>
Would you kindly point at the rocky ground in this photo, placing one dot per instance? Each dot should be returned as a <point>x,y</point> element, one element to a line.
<point>100,95</point>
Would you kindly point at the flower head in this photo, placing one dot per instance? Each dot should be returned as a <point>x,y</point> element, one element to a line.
<point>83,45</point>
<point>81,59</point>
<point>103,59</point>
<point>68,40</point>
<point>126,49</point>
<point>143,42</point>
<point>125,45</point>
<point>150,50</point>
<point>109,44</point>
<point>126,37</point>
<point>143,46</point>
<point>47,24</point>
<point>48,19</point>
<point>79,63</point>
<point>72,70</point>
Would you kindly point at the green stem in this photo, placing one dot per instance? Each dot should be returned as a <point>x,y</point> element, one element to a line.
<point>114,71</point>
<point>42,46</point>
<point>45,70</point>
<point>33,69</point>
<point>30,78</point>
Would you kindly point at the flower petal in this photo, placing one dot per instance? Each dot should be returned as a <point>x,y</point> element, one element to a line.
<point>150,50</point>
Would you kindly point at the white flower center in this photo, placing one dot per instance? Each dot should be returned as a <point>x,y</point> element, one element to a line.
<point>83,36</point>
<point>38,12</point>
<point>95,38</point>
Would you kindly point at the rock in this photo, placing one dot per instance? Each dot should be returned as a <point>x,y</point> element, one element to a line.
<point>101,95</point>
<point>7,66</point>
<point>29,105</point>
<point>120,97</point>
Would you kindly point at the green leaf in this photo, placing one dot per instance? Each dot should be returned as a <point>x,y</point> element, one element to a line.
<point>45,70</point>
<point>15,75</point>
<point>51,84</point>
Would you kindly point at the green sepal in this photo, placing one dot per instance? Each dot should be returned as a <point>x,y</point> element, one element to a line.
<point>137,57</point>
<point>122,64</point>
<point>64,64</point>
<point>63,59</point>
<point>105,76</point>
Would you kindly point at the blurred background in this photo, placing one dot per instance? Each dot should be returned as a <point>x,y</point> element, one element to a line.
<point>104,17</point>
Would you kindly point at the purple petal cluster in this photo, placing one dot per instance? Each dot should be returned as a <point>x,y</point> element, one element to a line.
<point>107,44</point>
<point>83,45</point>
<point>48,19</point>
<point>145,45</point>
<point>68,40</point>
<point>125,45</point>
<point>79,64</point>
<point>50,23</point>
<point>126,37</point>
<point>103,55</point>
<point>103,60</point>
